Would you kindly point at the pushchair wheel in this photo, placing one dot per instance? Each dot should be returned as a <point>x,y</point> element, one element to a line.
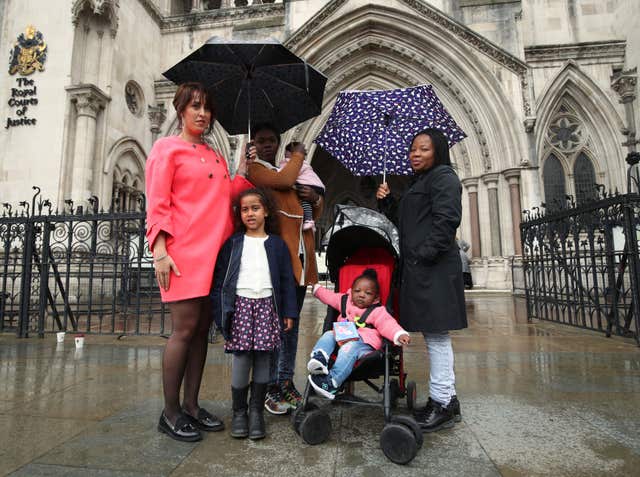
<point>299,413</point>
<point>412,394</point>
<point>411,423</point>
<point>315,427</point>
<point>398,443</point>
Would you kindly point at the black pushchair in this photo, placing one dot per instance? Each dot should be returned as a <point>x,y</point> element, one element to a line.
<point>362,238</point>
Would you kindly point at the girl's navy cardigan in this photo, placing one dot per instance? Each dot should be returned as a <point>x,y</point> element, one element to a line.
<point>225,279</point>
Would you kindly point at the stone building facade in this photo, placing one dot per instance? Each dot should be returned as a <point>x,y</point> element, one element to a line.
<point>545,89</point>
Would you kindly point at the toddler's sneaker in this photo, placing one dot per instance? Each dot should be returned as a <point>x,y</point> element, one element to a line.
<point>275,403</point>
<point>309,225</point>
<point>319,363</point>
<point>291,394</point>
<point>323,385</point>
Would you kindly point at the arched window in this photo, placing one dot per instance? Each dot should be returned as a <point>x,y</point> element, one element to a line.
<point>128,184</point>
<point>584,177</point>
<point>554,183</point>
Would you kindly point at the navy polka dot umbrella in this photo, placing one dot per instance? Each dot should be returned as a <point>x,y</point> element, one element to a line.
<point>253,82</point>
<point>369,131</point>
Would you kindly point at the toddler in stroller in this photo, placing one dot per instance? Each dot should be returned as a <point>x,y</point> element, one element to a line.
<point>361,305</point>
<point>359,240</point>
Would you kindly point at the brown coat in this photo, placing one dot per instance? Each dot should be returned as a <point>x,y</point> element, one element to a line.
<point>290,214</point>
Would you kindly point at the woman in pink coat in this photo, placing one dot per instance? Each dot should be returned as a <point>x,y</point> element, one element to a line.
<point>189,194</point>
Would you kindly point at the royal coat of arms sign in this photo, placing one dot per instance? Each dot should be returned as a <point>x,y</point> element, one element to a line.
<point>29,53</point>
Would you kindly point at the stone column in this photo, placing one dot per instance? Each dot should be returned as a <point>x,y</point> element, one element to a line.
<point>471,184</point>
<point>157,115</point>
<point>624,83</point>
<point>196,6</point>
<point>513,178</point>
<point>88,101</point>
<point>491,181</point>
<point>226,4</point>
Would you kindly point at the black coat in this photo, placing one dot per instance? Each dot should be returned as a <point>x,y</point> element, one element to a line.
<point>225,279</point>
<point>431,285</point>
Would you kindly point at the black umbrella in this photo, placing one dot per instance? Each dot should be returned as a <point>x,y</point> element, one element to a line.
<point>253,82</point>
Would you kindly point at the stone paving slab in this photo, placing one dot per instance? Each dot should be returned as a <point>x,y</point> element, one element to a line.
<point>24,438</point>
<point>125,442</point>
<point>41,470</point>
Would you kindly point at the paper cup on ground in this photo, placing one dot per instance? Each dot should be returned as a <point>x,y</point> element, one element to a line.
<point>60,336</point>
<point>79,341</point>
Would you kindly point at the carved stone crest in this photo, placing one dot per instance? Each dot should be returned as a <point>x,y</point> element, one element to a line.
<point>29,53</point>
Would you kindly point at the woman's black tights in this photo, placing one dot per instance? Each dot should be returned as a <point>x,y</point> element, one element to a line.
<point>185,355</point>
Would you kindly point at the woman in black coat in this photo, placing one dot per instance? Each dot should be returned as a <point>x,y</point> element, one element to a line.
<point>431,285</point>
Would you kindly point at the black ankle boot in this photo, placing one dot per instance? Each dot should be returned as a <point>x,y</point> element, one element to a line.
<point>239,421</point>
<point>437,417</point>
<point>454,405</point>
<point>455,408</point>
<point>256,411</point>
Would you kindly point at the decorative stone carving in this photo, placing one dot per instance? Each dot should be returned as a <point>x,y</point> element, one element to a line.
<point>88,99</point>
<point>470,183</point>
<point>529,124</point>
<point>134,98</point>
<point>491,180</point>
<point>624,83</point>
<point>107,8</point>
<point>209,18</point>
<point>157,116</point>
<point>613,51</point>
<point>566,133</point>
<point>458,29</point>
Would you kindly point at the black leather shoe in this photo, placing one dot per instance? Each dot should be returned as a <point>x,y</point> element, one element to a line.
<point>205,421</point>
<point>257,426</point>
<point>438,417</point>
<point>240,420</point>
<point>182,430</point>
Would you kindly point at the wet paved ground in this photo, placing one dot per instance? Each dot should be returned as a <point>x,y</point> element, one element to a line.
<point>537,399</point>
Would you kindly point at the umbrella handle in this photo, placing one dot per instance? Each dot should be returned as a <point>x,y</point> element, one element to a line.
<point>249,105</point>
<point>384,166</point>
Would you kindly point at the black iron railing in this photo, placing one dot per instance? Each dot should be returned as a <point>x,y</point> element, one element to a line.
<point>81,269</point>
<point>581,264</point>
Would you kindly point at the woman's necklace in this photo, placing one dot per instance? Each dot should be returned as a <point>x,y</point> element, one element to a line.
<point>185,139</point>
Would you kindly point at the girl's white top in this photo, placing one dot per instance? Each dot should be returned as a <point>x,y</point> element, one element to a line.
<point>254,279</point>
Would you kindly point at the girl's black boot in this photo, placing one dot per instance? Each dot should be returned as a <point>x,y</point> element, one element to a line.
<point>256,411</point>
<point>239,421</point>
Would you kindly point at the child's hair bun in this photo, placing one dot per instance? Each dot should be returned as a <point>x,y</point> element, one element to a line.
<point>370,273</point>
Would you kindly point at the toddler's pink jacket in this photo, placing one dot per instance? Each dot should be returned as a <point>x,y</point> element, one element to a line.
<point>306,176</point>
<point>384,325</point>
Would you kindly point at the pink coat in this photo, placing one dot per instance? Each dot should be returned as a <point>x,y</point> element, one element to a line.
<point>189,194</point>
<point>384,325</point>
